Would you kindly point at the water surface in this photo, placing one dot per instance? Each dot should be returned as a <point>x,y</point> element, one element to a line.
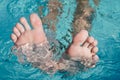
<point>105,28</point>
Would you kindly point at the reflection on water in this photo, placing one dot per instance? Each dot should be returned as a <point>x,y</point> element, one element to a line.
<point>105,28</point>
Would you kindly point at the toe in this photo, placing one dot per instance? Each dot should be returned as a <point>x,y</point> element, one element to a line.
<point>90,47</point>
<point>81,37</point>
<point>88,42</point>
<point>90,39</point>
<point>95,58</point>
<point>36,21</point>
<point>95,50</point>
<point>16,31</point>
<point>25,23</point>
<point>95,43</point>
<point>14,37</point>
<point>20,27</point>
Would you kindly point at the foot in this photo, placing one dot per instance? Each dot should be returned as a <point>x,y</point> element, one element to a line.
<point>22,32</point>
<point>84,46</point>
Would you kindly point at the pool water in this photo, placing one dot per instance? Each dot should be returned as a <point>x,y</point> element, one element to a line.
<point>105,28</point>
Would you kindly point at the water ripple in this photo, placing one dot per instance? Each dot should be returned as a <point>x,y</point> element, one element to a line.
<point>18,8</point>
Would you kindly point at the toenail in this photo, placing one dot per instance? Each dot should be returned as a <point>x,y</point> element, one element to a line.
<point>96,42</point>
<point>34,14</point>
<point>22,19</point>
<point>95,50</point>
<point>84,31</point>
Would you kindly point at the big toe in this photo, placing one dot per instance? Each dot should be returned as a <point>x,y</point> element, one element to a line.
<point>81,37</point>
<point>36,21</point>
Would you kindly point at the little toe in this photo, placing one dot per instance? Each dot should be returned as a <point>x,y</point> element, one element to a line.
<point>81,37</point>
<point>25,23</point>
<point>95,59</point>
<point>16,31</point>
<point>95,50</point>
<point>20,27</point>
<point>36,21</point>
<point>13,37</point>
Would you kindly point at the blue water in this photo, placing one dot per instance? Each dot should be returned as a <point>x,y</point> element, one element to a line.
<point>105,28</point>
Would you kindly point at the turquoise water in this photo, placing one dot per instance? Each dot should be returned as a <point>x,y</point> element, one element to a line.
<point>105,28</point>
